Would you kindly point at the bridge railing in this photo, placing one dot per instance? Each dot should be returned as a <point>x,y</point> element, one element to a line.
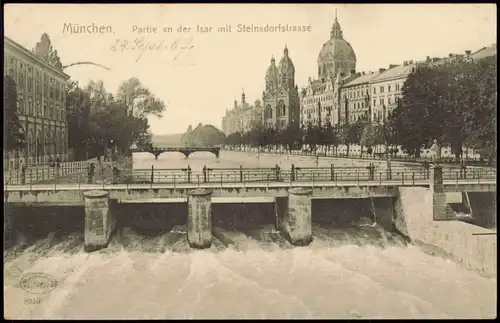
<point>303,174</point>
<point>400,175</point>
<point>42,173</point>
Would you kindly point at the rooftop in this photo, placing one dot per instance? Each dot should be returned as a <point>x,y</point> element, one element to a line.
<point>399,71</point>
<point>485,52</point>
<point>19,47</point>
<point>365,78</point>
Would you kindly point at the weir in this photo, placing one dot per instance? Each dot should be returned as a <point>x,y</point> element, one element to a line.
<point>422,214</point>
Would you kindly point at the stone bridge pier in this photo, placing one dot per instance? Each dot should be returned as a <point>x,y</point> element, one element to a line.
<point>100,222</point>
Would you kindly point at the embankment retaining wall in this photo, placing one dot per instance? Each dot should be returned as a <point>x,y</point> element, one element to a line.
<point>457,240</point>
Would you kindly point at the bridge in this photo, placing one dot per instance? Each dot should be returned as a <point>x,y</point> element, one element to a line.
<point>186,151</point>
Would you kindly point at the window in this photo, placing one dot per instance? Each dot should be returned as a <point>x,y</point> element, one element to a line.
<point>381,89</point>
<point>381,101</point>
<point>374,102</point>
<point>30,107</point>
<point>388,100</point>
<point>388,88</point>
<point>374,90</point>
<point>20,105</point>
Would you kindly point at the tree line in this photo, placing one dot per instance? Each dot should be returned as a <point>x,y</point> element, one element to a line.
<point>295,137</point>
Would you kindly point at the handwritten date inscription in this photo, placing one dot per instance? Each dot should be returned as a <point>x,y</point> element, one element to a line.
<point>178,47</point>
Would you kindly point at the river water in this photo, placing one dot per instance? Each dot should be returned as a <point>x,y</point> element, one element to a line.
<point>358,271</point>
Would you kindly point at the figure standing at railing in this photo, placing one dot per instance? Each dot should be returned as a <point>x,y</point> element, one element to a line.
<point>371,171</point>
<point>435,152</point>
<point>427,167</point>
<point>116,174</point>
<point>23,173</point>
<point>277,170</point>
<point>463,168</point>
<point>389,168</point>
<point>91,173</point>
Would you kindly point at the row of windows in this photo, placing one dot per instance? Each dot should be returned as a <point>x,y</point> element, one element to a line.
<point>397,87</point>
<point>326,97</point>
<point>18,73</point>
<point>356,117</point>
<point>389,100</point>
<point>51,111</point>
<point>357,94</point>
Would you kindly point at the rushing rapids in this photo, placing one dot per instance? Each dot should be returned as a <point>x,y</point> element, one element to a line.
<point>360,272</point>
<point>350,270</point>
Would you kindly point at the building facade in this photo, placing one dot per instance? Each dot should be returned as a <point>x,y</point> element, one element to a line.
<point>356,97</point>
<point>243,117</point>
<point>321,100</point>
<point>41,95</point>
<point>281,97</point>
<point>386,89</point>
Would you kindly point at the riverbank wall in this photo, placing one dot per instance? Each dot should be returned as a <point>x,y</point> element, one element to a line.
<point>473,246</point>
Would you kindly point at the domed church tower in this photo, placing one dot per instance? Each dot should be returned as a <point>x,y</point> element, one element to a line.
<point>281,99</point>
<point>336,55</point>
<point>286,72</point>
<point>272,77</point>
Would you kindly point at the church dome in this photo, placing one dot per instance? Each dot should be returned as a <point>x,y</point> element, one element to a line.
<point>336,48</point>
<point>286,64</point>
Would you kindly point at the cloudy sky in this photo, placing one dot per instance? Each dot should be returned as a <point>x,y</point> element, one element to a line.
<point>203,82</point>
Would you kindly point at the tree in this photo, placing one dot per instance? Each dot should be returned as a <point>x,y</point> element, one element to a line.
<point>343,135</point>
<point>355,131</point>
<point>99,97</point>
<point>312,136</point>
<point>78,117</point>
<point>139,100</point>
<point>206,135</point>
<point>417,119</point>
<point>233,139</point>
<point>457,100</point>
<point>329,135</point>
<point>291,136</point>
<point>373,134</point>
<point>480,121</point>
<point>15,136</point>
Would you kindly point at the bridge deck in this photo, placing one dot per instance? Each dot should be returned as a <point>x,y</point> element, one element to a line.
<point>86,187</point>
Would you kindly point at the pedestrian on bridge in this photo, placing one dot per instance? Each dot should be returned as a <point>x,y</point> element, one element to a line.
<point>116,174</point>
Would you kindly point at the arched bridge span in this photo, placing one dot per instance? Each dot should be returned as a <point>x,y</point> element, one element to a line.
<point>186,151</point>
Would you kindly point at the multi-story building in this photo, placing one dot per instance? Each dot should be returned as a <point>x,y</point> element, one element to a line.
<point>243,117</point>
<point>321,100</point>
<point>281,97</point>
<point>356,97</point>
<point>41,86</point>
<point>386,89</point>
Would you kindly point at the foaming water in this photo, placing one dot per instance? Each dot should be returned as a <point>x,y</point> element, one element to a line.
<point>357,272</point>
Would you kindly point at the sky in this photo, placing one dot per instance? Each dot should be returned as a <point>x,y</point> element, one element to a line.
<point>200,83</point>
